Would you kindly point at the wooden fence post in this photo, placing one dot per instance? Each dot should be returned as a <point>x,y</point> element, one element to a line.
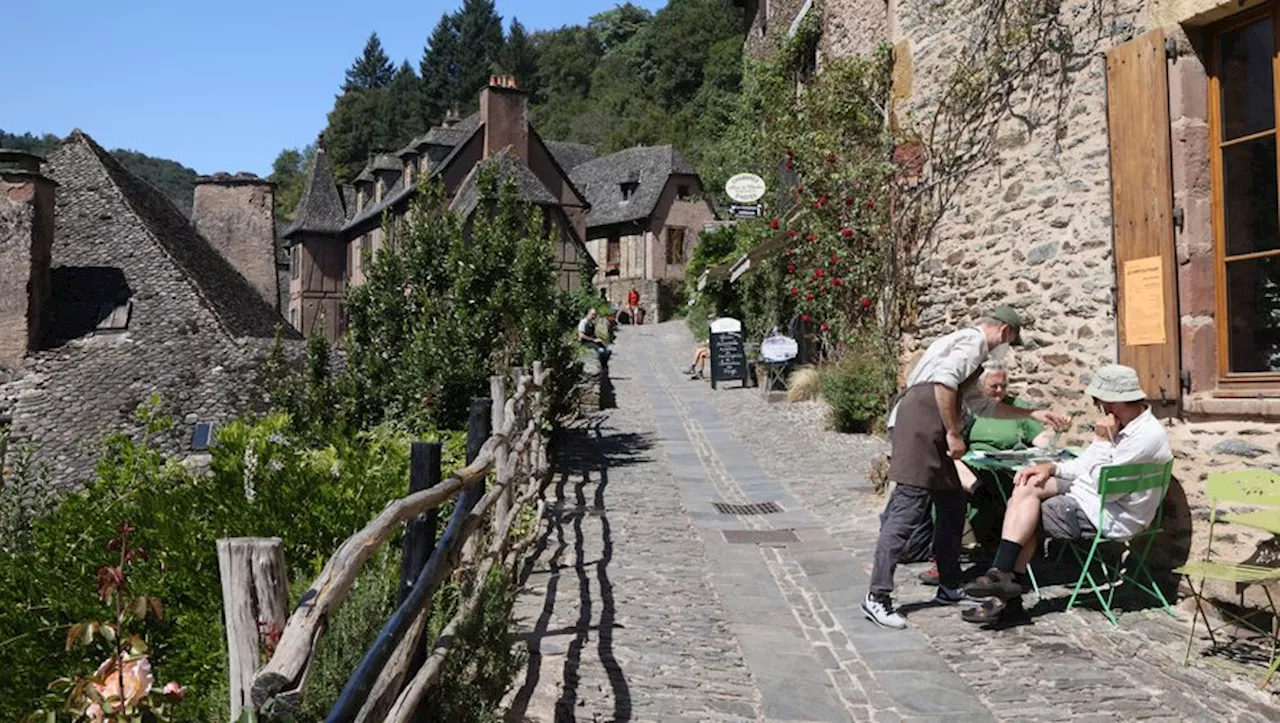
<point>255,599</point>
<point>498,392</point>
<point>477,434</point>
<point>420,533</point>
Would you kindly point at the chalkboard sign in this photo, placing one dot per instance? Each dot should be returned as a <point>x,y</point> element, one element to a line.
<point>728,357</point>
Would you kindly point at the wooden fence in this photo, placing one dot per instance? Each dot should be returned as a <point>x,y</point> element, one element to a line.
<point>396,672</point>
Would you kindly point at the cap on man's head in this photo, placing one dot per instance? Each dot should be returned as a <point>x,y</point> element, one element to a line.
<point>1115,383</point>
<point>1008,315</point>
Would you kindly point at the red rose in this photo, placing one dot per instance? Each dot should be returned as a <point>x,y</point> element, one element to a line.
<point>795,291</point>
<point>804,318</point>
<point>825,326</point>
<point>837,282</point>
<point>793,233</point>
<point>835,259</point>
<point>819,273</point>
<point>808,297</point>
<point>848,202</point>
<point>871,203</point>
<point>773,223</point>
<point>810,237</point>
<point>791,268</point>
<point>846,232</point>
<point>866,303</point>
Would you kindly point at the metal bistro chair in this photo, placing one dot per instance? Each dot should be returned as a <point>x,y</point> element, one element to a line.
<point>1122,480</point>
<point>1254,488</point>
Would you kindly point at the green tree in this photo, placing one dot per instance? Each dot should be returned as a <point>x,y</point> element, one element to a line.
<point>373,69</point>
<point>439,69</point>
<point>520,58</point>
<point>289,174</point>
<point>354,130</point>
<point>480,47</point>
<point>617,26</point>
<point>401,112</point>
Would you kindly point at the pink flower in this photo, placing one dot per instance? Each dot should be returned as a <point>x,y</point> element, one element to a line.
<point>93,712</point>
<point>175,691</point>
<point>136,675</point>
<point>804,317</point>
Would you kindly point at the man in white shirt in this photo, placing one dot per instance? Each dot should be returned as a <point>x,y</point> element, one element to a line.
<point>587,336</point>
<point>1062,501</point>
<point>927,434</point>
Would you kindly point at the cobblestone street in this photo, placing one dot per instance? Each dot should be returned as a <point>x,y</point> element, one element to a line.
<point>644,602</point>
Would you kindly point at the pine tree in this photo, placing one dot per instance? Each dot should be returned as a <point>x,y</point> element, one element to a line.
<point>439,69</point>
<point>480,45</point>
<point>373,69</point>
<point>520,58</point>
<point>401,113</point>
<point>354,131</point>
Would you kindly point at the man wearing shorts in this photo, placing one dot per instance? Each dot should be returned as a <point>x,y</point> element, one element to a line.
<point>1061,500</point>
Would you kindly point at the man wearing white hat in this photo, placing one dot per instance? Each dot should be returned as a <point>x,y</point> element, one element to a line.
<point>1061,500</point>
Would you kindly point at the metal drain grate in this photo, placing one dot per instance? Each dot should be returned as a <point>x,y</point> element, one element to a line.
<point>754,508</point>
<point>759,537</point>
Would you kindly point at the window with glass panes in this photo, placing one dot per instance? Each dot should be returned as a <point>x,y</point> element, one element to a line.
<point>1242,91</point>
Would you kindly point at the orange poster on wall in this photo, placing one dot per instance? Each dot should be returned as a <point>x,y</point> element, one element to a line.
<point>1143,291</point>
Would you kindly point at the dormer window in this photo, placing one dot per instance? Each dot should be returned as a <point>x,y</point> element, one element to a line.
<point>629,189</point>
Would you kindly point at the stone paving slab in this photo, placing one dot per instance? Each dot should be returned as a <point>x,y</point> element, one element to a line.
<point>679,624</point>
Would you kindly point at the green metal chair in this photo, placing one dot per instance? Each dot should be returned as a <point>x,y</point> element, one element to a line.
<point>1113,481</point>
<point>1254,488</point>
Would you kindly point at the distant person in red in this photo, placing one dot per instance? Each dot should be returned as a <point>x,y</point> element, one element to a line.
<point>633,303</point>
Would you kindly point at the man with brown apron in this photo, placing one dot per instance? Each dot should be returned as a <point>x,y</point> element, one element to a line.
<point>926,432</point>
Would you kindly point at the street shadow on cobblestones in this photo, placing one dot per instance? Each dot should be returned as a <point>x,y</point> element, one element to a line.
<point>587,452</point>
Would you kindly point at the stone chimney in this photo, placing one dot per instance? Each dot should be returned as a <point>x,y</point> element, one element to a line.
<point>452,118</point>
<point>504,110</point>
<point>26,249</point>
<point>237,215</point>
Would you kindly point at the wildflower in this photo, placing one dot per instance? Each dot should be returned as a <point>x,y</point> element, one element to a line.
<point>773,224</point>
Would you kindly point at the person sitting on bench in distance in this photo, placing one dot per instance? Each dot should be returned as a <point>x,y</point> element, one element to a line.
<point>587,336</point>
<point>699,366</point>
<point>1061,500</point>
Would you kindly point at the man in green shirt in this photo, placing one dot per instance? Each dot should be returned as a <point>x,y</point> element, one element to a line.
<point>988,434</point>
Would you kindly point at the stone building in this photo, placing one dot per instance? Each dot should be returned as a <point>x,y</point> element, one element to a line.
<point>110,294</point>
<point>336,231</point>
<point>1129,209</point>
<point>647,212</point>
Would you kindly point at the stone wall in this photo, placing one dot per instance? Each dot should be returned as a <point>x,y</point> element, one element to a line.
<point>237,215</point>
<point>26,241</point>
<point>852,28</point>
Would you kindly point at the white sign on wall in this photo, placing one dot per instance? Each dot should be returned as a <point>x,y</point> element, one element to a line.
<point>745,188</point>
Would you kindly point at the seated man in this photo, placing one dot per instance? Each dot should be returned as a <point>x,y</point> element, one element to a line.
<point>587,336</point>
<point>989,434</point>
<point>1061,500</point>
<point>699,366</point>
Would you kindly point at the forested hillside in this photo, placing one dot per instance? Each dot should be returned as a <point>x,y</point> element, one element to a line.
<point>175,180</point>
<point>624,77</point>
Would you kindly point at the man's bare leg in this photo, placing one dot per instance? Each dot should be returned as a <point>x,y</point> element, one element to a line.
<point>1022,517</point>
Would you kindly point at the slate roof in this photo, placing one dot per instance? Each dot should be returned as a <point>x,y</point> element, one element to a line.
<point>238,307</point>
<point>508,167</point>
<point>454,136</point>
<point>321,210</point>
<point>570,155</point>
<point>386,162</point>
<point>196,329</point>
<point>601,181</point>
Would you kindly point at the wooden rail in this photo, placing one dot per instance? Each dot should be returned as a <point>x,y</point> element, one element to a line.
<point>391,681</point>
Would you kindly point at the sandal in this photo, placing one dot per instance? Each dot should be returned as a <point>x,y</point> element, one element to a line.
<point>996,583</point>
<point>988,612</point>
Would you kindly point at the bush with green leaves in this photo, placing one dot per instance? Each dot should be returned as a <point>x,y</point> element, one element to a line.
<point>263,480</point>
<point>858,388</point>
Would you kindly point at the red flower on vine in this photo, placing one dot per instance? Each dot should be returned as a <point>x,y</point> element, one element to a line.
<point>835,259</point>
<point>795,291</point>
<point>819,273</point>
<point>871,203</point>
<point>837,282</point>
<point>866,303</point>
<point>793,233</point>
<point>791,268</point>
<point>810,238</point>
<point>808,297</point>
<point>804,318</point>
<point>773,223</point>
<point>846,232</point>
<point>825,326</point>
<point>849,201</point>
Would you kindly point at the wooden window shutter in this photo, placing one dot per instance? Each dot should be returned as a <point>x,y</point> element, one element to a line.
<point>1142,213</point>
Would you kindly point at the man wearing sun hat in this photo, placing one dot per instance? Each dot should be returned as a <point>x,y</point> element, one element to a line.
<point>927,436</point>
<point>1061,500</point>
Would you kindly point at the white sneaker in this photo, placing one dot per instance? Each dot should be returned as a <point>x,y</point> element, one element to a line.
<point>880,611</point>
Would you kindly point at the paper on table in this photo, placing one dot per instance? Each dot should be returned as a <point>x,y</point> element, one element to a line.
<point>1143,293</point>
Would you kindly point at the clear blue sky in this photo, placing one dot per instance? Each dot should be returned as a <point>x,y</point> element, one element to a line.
<point>217,86</point>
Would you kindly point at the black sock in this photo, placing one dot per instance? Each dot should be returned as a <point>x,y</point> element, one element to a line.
<point>1007,555</point>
